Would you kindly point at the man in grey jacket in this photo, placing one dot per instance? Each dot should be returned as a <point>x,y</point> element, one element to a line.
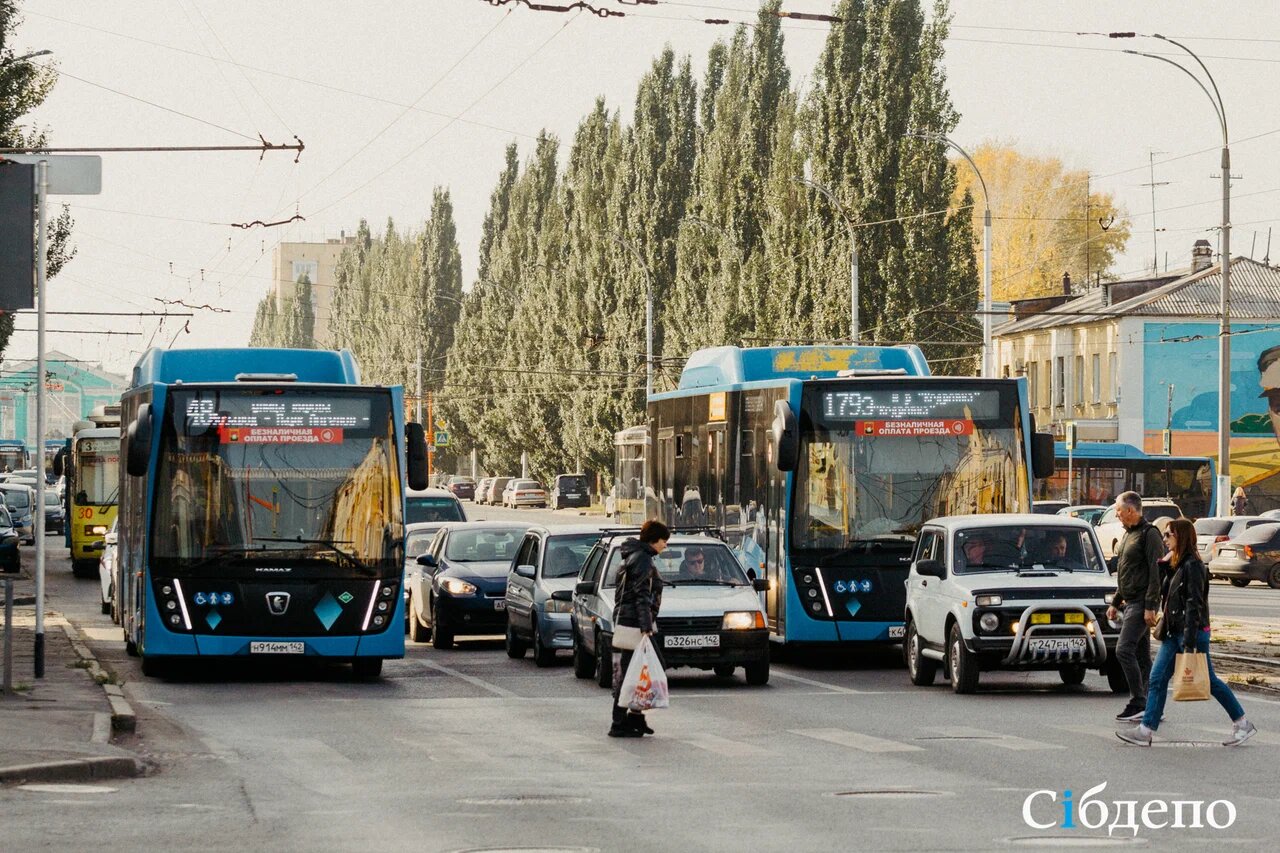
<point>1137,599</point>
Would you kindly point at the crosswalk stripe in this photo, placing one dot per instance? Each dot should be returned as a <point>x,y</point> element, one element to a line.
<point>995,738</point>
<point>1221,732</point>
<point>724,746</point>
<point>854,740</point>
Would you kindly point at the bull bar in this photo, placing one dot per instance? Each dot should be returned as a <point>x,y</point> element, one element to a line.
<point>1095,649</point>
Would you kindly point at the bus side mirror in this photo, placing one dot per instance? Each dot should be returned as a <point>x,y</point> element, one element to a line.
<point>139,436</point>
<point>1042,455</point>
<point>415,438</point>
<point>786,436</point>
<point>59,461</point>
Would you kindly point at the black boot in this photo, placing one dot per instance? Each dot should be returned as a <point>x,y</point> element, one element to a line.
<point>637,722</point>
<point>620,727</point>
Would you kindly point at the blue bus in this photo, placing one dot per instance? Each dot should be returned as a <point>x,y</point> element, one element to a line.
<point>1101,470</point>
<point>13,454</point>
<point>262,508</point>
<point>819,464</point>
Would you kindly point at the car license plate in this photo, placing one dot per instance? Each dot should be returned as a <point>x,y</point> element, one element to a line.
<point>1228,552</point>
<point>1056,644</point>
<point>897,632</point>
<point>692,641</point>
<point>277,648</point>
<point>500,604</point>
<point>573,496</point>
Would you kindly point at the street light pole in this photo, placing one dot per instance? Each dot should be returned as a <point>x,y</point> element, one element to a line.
<point>25,57</point>
<point>853,248</point>
<point>1224,295</point>
<point>648,312</point>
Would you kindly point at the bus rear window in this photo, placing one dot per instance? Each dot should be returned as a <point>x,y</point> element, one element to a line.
<point>433,509</point>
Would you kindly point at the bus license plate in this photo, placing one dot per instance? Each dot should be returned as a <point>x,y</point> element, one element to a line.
<point>500,604</point>
<point>1056,644</point>
<point>692,641</point>
<point>277,648</point>
<point>897,632</point>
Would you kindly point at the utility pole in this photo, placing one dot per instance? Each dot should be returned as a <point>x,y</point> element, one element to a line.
<point>1153,183</point>
<point>431,436</point>
<point>42,248</point>
<point>419,383</point>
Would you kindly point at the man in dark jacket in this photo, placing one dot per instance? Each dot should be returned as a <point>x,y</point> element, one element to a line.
<point>637,600</point>
<point>1137,599</point>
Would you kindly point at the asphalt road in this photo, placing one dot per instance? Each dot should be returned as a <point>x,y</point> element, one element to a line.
<point>467,749</point>
<point>1255,601</point>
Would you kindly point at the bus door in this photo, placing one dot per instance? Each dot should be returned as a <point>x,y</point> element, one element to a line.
<point>714,478</point>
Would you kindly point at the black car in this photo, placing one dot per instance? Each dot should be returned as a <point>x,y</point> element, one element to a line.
<point>462,586</point>
<point>570,490</point>
<point>10,559</point>
<point>463,488</point>
<point>54,518</point>
<point>1254,555</point>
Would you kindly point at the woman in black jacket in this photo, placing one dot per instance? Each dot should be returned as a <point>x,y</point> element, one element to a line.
<point>638,597</point>
<point>1185,625</point>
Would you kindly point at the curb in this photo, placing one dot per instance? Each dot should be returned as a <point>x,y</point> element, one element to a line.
<point>73,770</point>
<point>123,718</point>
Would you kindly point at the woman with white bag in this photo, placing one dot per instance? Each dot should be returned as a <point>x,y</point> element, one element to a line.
<point>635,614</point>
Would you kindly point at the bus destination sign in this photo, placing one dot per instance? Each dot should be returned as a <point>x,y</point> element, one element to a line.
<point>914,429</point>
<point>941,406</point>
<point>309,419</point>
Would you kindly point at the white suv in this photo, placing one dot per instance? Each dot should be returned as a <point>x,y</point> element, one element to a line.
<point>1024,592</point>
<point>1110,531</point>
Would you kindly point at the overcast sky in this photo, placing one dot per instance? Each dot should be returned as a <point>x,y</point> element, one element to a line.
<point>199,72</point>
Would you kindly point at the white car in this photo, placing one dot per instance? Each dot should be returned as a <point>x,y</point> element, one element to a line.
<point>107,574</point>
<point>1022,592</point>
<point>1110,531</point>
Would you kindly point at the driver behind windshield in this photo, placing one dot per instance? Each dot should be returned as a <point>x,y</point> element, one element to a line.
<point>694,565</point>
<point>975,550</point>
<point>1055,548</point>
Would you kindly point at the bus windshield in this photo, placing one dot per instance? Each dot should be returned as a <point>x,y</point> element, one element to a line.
<point>97,471</point>
<point>878,459</point>
<point>295,474</point>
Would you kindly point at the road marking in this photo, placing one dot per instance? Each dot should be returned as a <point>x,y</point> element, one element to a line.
<point>1269,738</point>
<point>834,688</point>
<point>724,746</point>
<point>470,679</point>
<point>995,738</point>
<point>853,740</point>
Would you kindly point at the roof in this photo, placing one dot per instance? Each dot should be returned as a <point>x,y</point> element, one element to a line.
<point>433,492</point>
<point>483,525</point>
<point>571,529</point>
<point>1255,295</point>
<point>223,365</point>
<point>956,522</point>
<point>718,366</point>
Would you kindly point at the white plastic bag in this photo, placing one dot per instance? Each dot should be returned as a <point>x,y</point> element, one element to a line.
<point>645,685</point>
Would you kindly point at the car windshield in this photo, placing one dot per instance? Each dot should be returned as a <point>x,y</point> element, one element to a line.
<point>458,481</point>
<point>689,564</point>
<point>527,484</point>
<point>1025,548</point>
<point>1151,513</point>
<point>1257,534</point>
<point>433,509</point>
<point>566,554</point>
<point>416,544</point>
<point>1213,526</point>
<point>485,545</point>
<point>97,470</point>
<point>52,499</point>
<point>17,499</point>
<point>571,484</point>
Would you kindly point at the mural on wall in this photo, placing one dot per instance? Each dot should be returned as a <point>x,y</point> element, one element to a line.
<point>1186,356</point>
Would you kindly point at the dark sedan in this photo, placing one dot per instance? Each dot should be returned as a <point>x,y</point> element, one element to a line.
<point>10,559</point>
<point>462,587</point>
<point>1253,555</point>
<point>463,488</point>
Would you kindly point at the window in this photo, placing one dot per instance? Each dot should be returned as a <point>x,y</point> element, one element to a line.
<point>1033,388</point>
<point>311,269</point>
<point>1078,396</point>
<point>1115,378</point>
<point>528,555</point>
<point>1097,378</point>
<point>930,546</point>
<point>681,446</point>
<point>1060,390</point>
<point>748,443</point>
<point>1048,382</point>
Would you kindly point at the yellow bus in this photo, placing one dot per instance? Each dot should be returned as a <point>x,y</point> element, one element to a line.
<point>93,490</point>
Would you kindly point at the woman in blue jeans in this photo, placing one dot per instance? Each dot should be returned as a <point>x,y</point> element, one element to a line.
<point>1186,626</point>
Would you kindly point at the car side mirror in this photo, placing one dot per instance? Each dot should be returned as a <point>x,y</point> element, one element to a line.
<point>525,571</point>
<point>760,584</point>
<point>427,560</point>
<point>562,595</point>
<point>111,538</point>
<point>416,452</point>
<point>931,568</point>
<point>138,459</point>
<point>786,436</point>
<point>584,588</point>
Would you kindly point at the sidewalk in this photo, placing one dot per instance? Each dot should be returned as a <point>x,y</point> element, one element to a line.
<point>57,728</point>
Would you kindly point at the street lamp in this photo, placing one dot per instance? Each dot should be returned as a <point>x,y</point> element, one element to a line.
<point>648,311</point>
<point>1224,296</point>
<point>988,356</point>
<point>853,246</point>
<point>25,57</point>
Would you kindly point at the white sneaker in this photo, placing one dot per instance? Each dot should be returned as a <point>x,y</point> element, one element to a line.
<point>1240,734</point>
<point>1135,736</point>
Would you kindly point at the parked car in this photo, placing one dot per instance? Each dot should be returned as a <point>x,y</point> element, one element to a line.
<point>461,586</point>
<point>482,490</point>
<point>524,493</point>
<point>710,620</point>
<point>548,561</point>
<point>1048,507</point>
<point>54,513</point>
<point>497,486</point>
<point>1212,532</point>
<point>463,488</point>
<point>1088,513</point>
<point>10,556</point>
<point>1271,513</point>
<point>1022,592</point>
<point>1253,555</point>
<point>417,541</point>
<point>433,505</point>
<point>107,581</point>
<point>19,501</point>
<point>570,490</point>
<point>1110,531</point>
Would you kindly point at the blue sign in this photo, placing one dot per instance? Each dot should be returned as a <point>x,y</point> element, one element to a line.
<point>865,586</point>
<point>226,598</point>
<point>200,598</point>
<point>841,588</point>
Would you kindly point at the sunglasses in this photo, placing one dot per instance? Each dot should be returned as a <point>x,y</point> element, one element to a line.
<point>1166,536</point>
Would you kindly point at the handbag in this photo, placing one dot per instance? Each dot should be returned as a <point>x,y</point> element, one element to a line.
<point>1160,630</point>
<point>644,687</point>
<point>1190,677</point>
<point>626,638</point>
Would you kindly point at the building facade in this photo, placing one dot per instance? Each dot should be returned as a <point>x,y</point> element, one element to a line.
<point>74,388</point>
<point>317,261</point>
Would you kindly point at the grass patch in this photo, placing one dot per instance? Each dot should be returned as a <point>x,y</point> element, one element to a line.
<point>78,664</point>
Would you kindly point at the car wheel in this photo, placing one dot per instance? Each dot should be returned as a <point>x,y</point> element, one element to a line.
<point>1273,577</point>
<point>366,669</point>
<point>724,670</point>
<point>1072,673</point>
<point>604,662</point>
<point>1115,676</point>
<point>921,669</point>
<point>516,647</point>
<point>757,673</point>
<point>963,665</point>
<point>440,638</point>
<point>584,666</point>
<point>542,656</point>
<point>418,632</point>
<point>1240,582</point>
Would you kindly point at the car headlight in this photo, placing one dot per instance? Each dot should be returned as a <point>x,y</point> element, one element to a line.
<point>742,620</point>
<point>554,606</point>
<point>988,601</point>
<point>453,586</point>
<point>989,622</point>
<point>1108,598</point>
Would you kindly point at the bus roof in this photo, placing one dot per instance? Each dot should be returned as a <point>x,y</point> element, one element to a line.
<point>1111,450</point>
<point>98,432</point>
<point>708,368</point>
<point>12,442</point>
<point>166,366</point>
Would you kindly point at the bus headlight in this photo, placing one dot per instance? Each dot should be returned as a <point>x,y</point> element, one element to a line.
<point>742,620</point>
<point>99,530</point>
<point>989,622</point>
<point>453,586</point>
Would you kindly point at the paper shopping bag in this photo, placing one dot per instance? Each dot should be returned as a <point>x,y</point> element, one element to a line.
<point>645,685</point>
<point>1191,677</point>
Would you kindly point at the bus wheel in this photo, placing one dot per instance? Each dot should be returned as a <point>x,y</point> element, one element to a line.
<point>154,667</point>
<point>366,669</point>
<point>130,647</point>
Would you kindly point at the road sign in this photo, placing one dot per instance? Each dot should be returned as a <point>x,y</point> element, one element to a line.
<point>442,438</point>
<point>69,174</point>
<point>1071,435</point>
<point>1166,437</point>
